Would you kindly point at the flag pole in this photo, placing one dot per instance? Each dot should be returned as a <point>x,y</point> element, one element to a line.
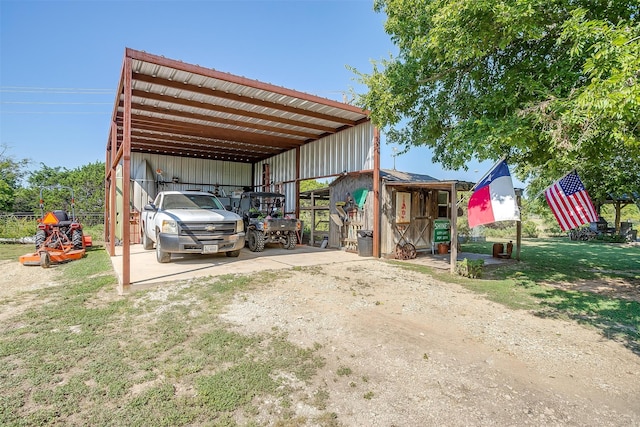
<point>487,174</point>
<point>480,180</point>
<point>574,170</point>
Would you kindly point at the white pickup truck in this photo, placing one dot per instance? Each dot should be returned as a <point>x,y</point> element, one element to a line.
<point>190,222</point>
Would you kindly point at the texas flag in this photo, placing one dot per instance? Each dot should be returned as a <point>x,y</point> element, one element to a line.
<point>494,198</point>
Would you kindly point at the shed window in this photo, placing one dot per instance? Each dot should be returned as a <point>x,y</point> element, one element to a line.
<point>443,204</point>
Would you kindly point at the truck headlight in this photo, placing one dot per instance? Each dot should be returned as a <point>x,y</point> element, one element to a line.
<point>169,226</point>
<point>240,226</point>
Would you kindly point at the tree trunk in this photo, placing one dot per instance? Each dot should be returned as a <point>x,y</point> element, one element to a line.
<point>618,206</point>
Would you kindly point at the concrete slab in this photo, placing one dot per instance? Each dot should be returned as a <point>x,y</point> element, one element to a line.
<point>146,270</point>
<point>442,261</point>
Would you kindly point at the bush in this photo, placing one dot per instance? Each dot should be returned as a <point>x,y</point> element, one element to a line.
<point>12,227</point>
<point>529,229</point>
<point>615,238</point>
<point>470,268</point>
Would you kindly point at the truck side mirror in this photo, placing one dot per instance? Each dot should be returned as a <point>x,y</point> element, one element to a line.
<point>150,207</point>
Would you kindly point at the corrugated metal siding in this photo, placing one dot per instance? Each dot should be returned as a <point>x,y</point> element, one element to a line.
<point>202,174</point>
<point>349,150</point>
<point>282,168</point>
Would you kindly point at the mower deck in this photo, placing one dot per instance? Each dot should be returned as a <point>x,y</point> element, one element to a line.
<point>55,256</point>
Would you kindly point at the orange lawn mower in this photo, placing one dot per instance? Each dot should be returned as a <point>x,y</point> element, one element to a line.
<point>59,239</point>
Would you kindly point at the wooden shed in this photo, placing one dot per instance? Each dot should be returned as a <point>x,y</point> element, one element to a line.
<point>418,210</point>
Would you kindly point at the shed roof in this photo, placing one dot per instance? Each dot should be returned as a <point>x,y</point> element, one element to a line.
<point>186,110</point>
<point>393,177</point>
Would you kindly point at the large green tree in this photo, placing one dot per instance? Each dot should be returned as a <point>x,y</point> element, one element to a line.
<point>553,85</point>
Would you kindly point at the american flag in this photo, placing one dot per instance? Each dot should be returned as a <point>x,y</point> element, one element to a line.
<point>570,202</point>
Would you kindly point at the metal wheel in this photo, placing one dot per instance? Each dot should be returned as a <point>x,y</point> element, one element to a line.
<point>405,251</point>
<point>410,251</point>
<point>162,256</point>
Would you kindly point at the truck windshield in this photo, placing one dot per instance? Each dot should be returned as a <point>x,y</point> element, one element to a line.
<point>191,201</point>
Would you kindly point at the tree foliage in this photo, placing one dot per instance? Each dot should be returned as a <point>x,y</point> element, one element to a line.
<point>87,183</point>
<point>11,173</point>
<point>311,184</point>
<point>552,85</point>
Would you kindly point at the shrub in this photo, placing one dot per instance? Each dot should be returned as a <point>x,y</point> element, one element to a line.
<point>470,268</point>
<point>615,238</point>
<point>13,227</point>
<point>529,229</point>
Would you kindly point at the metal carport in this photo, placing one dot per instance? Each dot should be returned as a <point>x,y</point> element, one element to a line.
<point>171,108</point>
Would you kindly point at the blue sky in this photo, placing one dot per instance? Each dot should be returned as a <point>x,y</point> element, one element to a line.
<point>60,62</point>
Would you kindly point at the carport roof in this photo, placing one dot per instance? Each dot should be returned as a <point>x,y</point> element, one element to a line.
<point>179,109</point>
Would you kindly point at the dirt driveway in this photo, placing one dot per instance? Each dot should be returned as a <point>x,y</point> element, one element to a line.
<point>422,352</point>
<point>403,349</point>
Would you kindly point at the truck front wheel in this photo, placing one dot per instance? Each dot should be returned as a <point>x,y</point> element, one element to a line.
<point>161,255</point>
<point>147,243</point>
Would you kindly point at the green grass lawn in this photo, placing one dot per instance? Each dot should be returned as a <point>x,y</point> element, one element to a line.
<point>526,284</point>
<point>560,259</point>
<point>13,252</point>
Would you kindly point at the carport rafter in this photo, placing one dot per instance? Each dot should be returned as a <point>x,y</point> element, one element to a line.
<point>170,141</point>
<point>212,91</point>
<point>221,121</point>
<point>204,131</point>
<point>214,108</point>
<point>216,154</point>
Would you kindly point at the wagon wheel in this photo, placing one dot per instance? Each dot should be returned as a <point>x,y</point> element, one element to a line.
<point>409,251</point>
<point>406,251</point>
<point>398,251</point>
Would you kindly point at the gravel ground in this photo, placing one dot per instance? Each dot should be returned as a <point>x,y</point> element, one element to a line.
<point>403,349</point>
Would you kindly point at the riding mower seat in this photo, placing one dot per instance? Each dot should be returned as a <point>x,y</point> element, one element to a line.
<point>63,218</point>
